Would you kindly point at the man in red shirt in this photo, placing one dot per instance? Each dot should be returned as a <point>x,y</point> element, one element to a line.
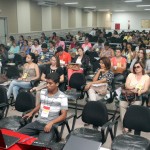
<point>64,57</point>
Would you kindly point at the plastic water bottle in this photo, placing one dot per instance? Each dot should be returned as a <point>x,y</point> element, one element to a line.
<point>0,65</point>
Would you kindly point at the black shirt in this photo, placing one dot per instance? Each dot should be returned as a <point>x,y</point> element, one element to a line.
<point>48,70</point>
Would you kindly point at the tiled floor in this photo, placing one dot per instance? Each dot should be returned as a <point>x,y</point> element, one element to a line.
<point>79,123</point>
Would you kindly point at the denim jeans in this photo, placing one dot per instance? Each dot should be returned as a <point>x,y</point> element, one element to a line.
<point>37,129</point>
<point>14,87</point>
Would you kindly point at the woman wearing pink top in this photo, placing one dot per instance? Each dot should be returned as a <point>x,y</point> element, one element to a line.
<point>86,45</point>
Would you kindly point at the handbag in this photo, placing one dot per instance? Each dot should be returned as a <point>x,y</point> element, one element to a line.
<point>100,88</point>
<point>73,66</point>
<point>128,95</point>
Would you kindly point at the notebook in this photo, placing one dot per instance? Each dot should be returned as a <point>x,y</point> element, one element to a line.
<point>78,143</point>
<point>7,141</point>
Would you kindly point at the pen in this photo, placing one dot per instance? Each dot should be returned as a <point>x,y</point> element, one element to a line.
<point>26,139</point>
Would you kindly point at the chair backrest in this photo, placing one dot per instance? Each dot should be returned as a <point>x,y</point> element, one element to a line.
<point>24,101</point>
<point>18,59</point>
<point>77,80</point>
<point>12,72</point>
<point>95,113</point>
<point>3,95</point>
<point>137,118</point>
<point>3,99</point>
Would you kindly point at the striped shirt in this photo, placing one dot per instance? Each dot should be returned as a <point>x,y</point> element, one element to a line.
<point>52,105</point>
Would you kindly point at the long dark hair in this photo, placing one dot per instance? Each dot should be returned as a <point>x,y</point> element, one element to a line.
<point>144,58</point>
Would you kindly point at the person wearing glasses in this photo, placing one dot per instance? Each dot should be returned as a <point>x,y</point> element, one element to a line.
<point>138,83</point>
<point>142,58</point>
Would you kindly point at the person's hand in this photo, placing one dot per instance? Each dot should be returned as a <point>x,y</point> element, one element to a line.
<point>19,79</point>
<point>28,115</point>
<point>139,92</point>
<point>134,90</point>
<point>48,127</point>
<point>33,89</point>
<point>101,70</point>
<point>87,87</point>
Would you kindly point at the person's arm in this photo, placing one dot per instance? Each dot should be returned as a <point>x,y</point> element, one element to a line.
<point>30,114</point>
<point>43,77</point>
<point>95,78</point>
<point>146,87</point>
<point>112,53</point>
<point>62,117</point>
<point>127,84</point>
<point>61,78</point>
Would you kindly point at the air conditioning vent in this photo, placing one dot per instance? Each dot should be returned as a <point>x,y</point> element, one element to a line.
<point>47,3</point>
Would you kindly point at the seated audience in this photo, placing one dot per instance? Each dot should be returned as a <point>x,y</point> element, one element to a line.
<point>103,75</point>
<point>36,47</point>
<point>98,46</point>
<point>10,41</point>
<point>81,63</point>
<point>25,49</point>
<point>118,65</point>
<point>14,49</point>
<point>73,44</point>
<point>44,56</point>
<point>52,48</point>
<point>59,43</point>
<point>141,58</point>
<point>129,54</point>
<point>53,67</point>
<point>20,42</point>
<point>107,51</point>
<point>52,109</point>
<point>3,54</point>
<point>138,83</point>
<point>86,45</point>
<point>128,37</point>
<point>30,72</point>
<point>64,57</point>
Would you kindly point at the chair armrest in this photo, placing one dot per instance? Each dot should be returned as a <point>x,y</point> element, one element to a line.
<point>113,128</point>
<point>105,131</point>
<point>3,105</point>
<point>34,83</point>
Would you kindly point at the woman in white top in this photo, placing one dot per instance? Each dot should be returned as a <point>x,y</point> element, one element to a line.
<point>137,82</point>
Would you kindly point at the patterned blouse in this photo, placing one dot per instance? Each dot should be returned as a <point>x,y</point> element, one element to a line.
<point>109,76</point>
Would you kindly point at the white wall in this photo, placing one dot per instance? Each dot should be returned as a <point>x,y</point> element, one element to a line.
<point>64,17</point>
<point>89,19</point>
<point>23,16</point>
<point>134,17</point>
<point>78,18</point>
<point>46,18</point>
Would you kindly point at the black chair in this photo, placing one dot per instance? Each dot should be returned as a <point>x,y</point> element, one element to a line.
<point>3,102</point>
<point>12,72</point>
<point>136,118</point>
<point>24,103</point>
<point>77,82</point>
<point>18,59</point>
<point>96,114</point>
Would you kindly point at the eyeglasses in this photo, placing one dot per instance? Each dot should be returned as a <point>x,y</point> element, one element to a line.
<point>136,67</point>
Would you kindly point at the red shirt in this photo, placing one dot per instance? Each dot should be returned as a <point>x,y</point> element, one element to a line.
<point>65,57</point>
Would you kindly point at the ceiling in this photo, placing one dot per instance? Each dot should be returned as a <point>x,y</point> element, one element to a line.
<point>112,5</point>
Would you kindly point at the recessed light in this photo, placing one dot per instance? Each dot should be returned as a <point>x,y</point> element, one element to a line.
<point>71,3</point>
<point>90,7</point>
<point>146,9</point>
<point>132,1</point>
<point>142,5</point>
<point>103,9</point>
<point>119,10</point>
